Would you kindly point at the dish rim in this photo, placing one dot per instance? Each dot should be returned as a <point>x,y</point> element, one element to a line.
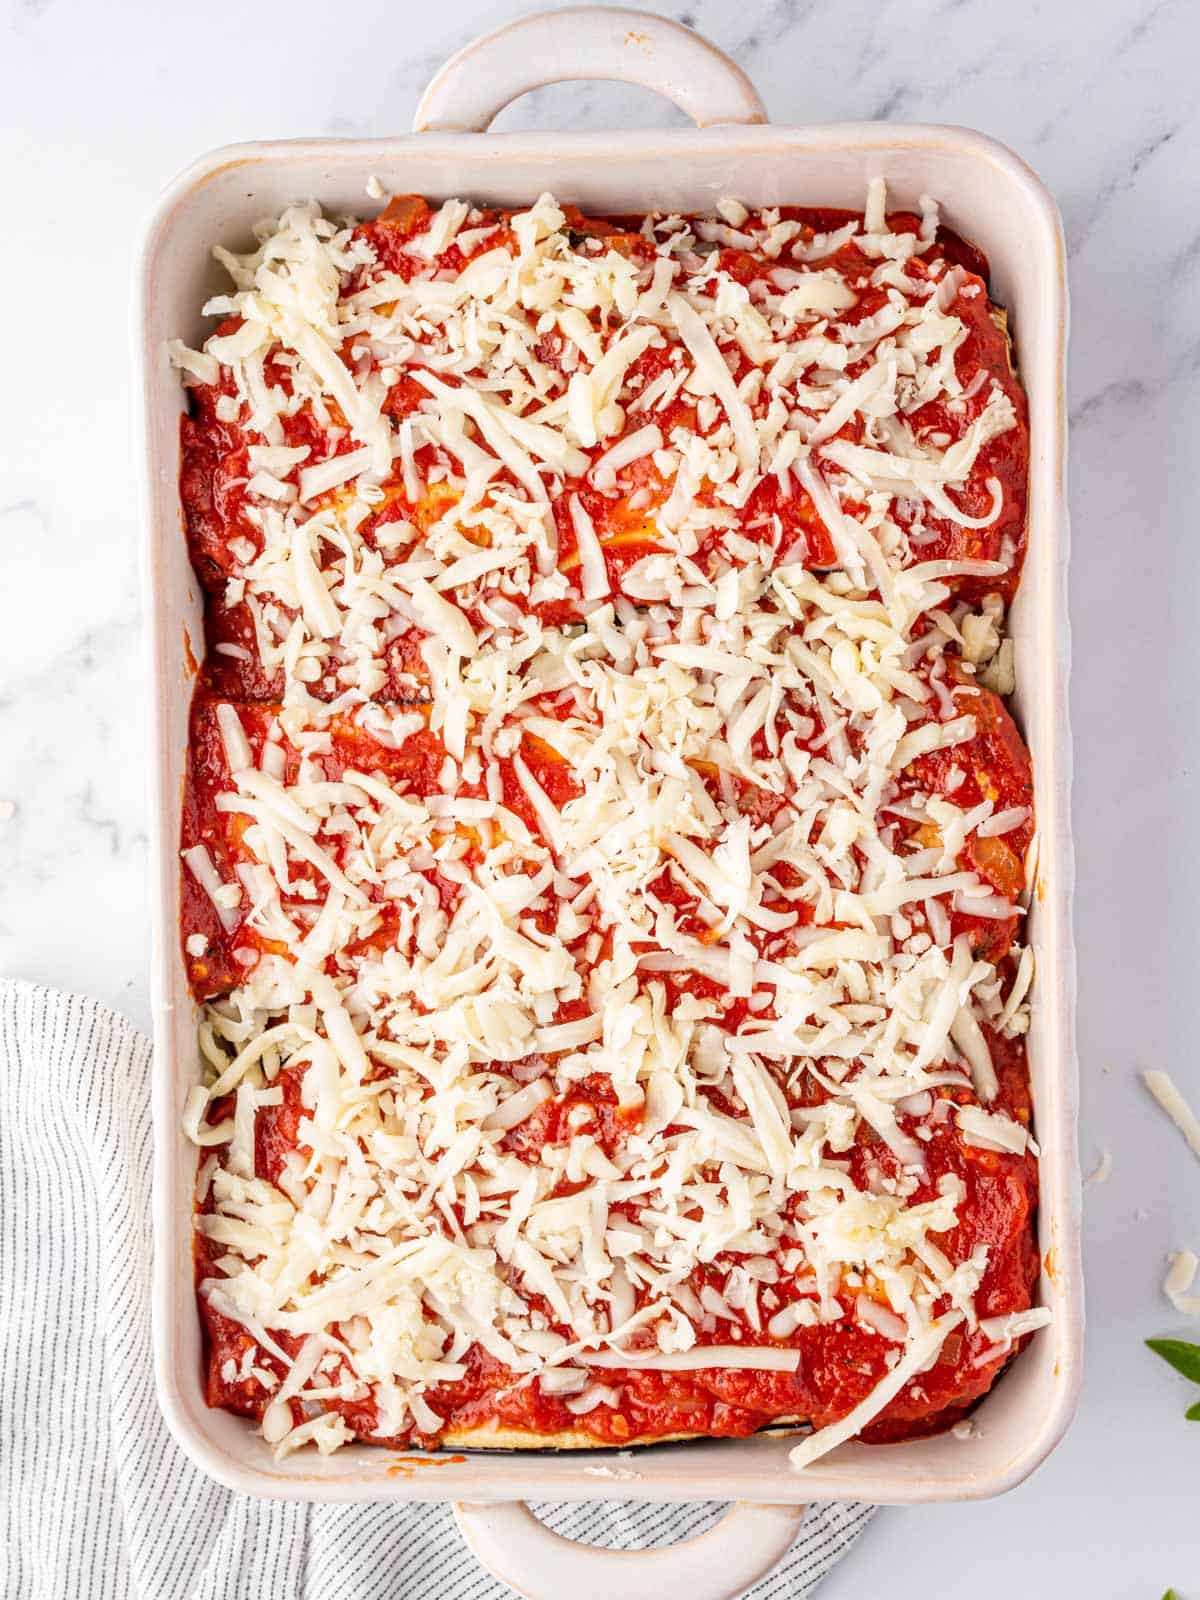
<point>735,1478</point>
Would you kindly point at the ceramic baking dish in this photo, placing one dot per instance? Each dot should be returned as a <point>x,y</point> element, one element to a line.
<point>989,196</point>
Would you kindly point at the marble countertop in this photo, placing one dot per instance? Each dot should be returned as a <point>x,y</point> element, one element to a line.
<point>104,104</point>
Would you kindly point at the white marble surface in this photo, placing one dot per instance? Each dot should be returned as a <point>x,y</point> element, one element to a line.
<point>102,104</point>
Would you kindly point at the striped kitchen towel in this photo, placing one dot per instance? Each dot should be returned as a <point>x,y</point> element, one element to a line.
<point>96,1499</point>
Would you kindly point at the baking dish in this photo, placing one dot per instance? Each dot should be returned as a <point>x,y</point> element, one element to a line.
<point>989,196</point>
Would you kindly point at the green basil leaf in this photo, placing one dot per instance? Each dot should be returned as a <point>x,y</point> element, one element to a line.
<point>1193,1412</point>
<point>1170,1595</point>
<point>1184,1357</point>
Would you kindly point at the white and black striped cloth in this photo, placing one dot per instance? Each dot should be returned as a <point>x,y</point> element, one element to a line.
<point>96,1500</point>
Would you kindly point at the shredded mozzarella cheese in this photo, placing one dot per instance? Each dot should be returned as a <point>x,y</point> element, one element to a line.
<point>687,753</point>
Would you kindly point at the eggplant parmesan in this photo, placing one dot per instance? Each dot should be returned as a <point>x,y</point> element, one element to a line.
<point>606,842</point>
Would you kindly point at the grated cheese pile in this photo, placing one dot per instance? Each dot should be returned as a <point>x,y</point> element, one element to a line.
<point>583,787</point>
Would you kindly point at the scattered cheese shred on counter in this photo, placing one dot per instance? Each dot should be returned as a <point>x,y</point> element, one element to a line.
<point>1162,1087</point>
<point>1181,1275</point>
<point>1102,1171</point>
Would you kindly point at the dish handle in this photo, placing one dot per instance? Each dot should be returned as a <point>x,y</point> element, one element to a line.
<point>510,1542</point>
<point>475,85</point>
